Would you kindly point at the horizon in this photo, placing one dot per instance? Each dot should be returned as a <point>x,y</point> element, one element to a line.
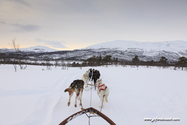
<point>69,25</point>
<point>94,44</point>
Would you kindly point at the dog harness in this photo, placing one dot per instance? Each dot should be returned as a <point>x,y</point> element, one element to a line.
<point>102,87</point>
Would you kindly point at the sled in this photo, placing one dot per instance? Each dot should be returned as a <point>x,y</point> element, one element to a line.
<point>90,110</point>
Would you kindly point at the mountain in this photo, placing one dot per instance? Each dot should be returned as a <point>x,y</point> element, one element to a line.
<point>38,49</point>
<point>174,46</point>
<point>123,50</point>
<point>126,50</point>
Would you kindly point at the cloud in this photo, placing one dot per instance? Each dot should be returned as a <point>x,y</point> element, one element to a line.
<point>21,2</point>
<point>27,28</point>
<point>69,7</point>
<point>55,44</point>
<point>2,22</point>
<point>23,28</point>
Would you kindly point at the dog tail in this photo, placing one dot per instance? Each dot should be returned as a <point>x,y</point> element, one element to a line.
<point>106,98</point>
<point>68,90</point>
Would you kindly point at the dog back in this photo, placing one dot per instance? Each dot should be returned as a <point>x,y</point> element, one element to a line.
<point>102,87</point>
<point>77,84</point>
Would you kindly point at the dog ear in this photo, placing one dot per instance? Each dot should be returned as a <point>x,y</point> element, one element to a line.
<point>100,80</point>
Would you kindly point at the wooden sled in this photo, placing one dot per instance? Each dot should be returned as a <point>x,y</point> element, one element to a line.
<point>88,110</point>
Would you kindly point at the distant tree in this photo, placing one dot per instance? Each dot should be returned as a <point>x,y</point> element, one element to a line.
<point>48,64</point>
<point>85,63</point>
<point>74,64</point>
<point>17,58</point>
<point>107,59</point>
<point>35,61</point>
<point>16,49</point>
<point>97,61</point>
<point>91,61</point>
<point>56,63</point>
<point>3,58</point>
<point>63,65</point>
<point>115,61</point>
<point>136,60</point>
<point>150,63</point>
<point>163,60</point>
<point>100,60</point>
<point>182,62</point>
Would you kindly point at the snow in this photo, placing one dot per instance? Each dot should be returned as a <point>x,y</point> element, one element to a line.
<point>39,48</point>
<point>174,46</point>
<point>36,97</point>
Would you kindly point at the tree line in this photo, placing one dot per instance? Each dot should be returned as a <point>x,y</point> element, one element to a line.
<point>17,58</point>
<point>92,61</point>
<point>182,62</point>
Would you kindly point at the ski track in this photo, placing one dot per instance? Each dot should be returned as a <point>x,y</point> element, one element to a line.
<point>52,101</point>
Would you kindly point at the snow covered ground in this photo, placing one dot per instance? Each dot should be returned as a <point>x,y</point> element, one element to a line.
<point>36,97</point>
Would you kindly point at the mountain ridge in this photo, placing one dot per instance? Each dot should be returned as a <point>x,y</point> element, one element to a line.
<point>176,45</point>
<point>172,50</point>
<point>38,48</point>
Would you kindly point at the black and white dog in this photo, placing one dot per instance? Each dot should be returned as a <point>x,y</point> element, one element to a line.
<point>91,75</point>
<point>76,86</point>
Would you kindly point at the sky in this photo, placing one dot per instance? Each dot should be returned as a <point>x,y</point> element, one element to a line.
<point>75,24</point>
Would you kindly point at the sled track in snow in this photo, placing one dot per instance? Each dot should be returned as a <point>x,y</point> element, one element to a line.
<point>52,100</point>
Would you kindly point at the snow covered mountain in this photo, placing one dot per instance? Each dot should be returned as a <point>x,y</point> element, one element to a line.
<point>38,48</point>
<point>173,46</point>
<point>123,50</point>
<point>145,50</point>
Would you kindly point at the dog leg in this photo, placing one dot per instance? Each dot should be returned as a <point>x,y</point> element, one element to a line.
<point>85,79</point>
<point>76,99</point>
<point>101,93</point>
<point>95,83</point>
<point>70,99</point>
<point>86,84</point>
<point>101,104</point>
<point>98,92</point>
<point>80,96</point>
<point>101,99</point>
<point>68,103</point>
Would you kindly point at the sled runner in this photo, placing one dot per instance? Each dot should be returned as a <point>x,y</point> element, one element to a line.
<point>90,110</point>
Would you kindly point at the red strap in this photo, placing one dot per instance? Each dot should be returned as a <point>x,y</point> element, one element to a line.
<point>103,89</point>
<point>101,85</point>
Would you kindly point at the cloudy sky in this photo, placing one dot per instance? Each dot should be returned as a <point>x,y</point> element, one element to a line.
<point>74,24</point>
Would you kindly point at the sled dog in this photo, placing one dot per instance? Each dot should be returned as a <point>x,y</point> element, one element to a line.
<point>85,78</point>
<point>91,75</point>
<point>76,86</point>
<point>102,92</point>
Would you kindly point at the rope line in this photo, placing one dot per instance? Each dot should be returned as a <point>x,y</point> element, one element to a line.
<point>89,116</point>
<point>88,89</point>
<point>90,97</point>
